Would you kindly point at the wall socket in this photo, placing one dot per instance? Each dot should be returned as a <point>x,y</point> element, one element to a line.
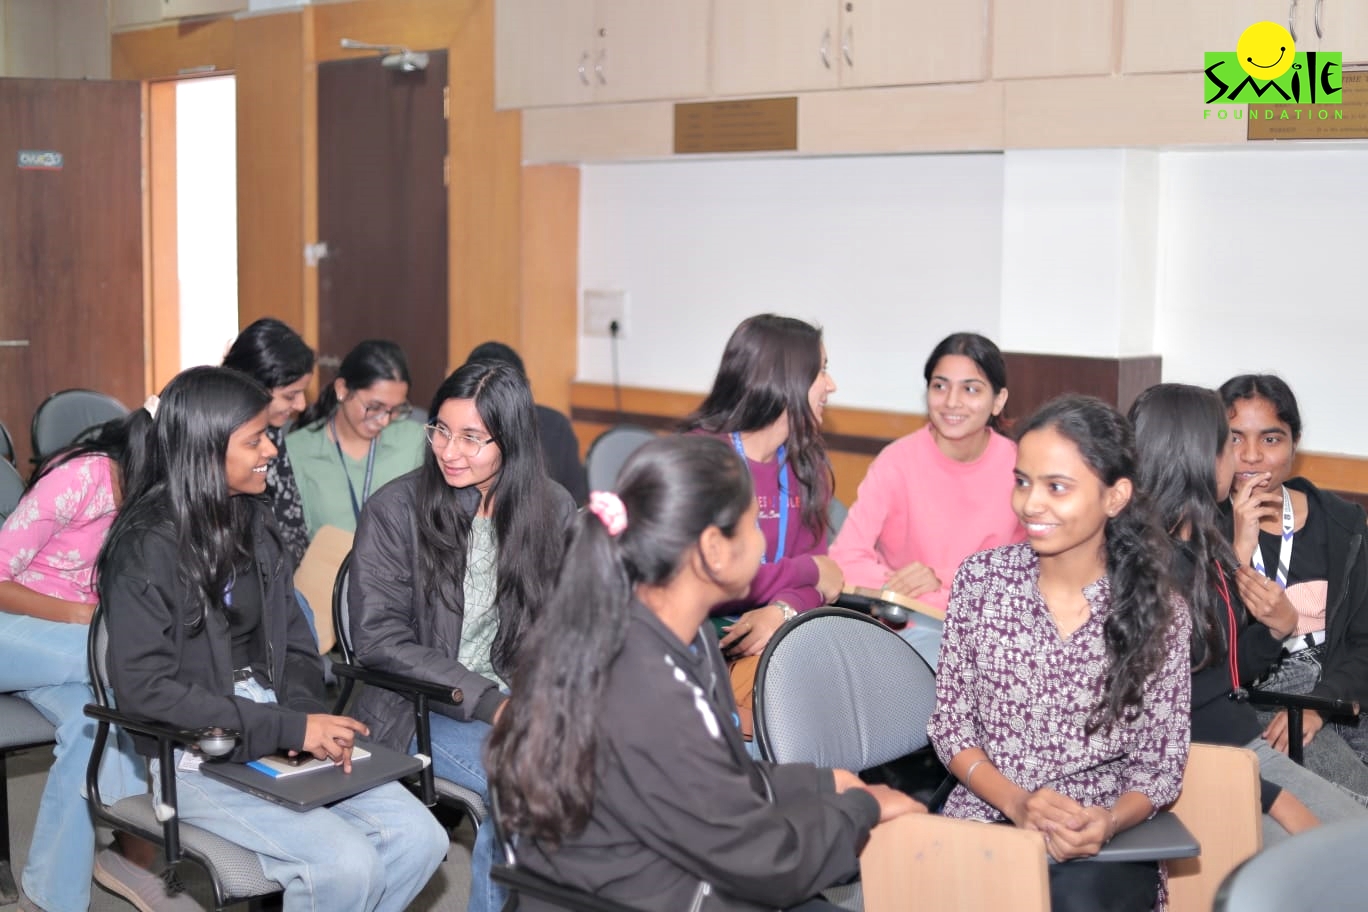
<point>601,308</point>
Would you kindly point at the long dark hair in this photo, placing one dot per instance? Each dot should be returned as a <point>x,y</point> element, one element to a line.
<point>525,523</point>
<point>542,752</point>
<point>768,366</point>
<point>271,353</point>
<point>183,483</point>
<point>1141,608</point>
<point>1265,386</point>
<point>365,365</point>
<point>985,355</point>
<point>1180,432</point>
<point>122,440</point>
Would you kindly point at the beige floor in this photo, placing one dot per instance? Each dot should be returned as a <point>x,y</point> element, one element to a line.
<point>446,892</point>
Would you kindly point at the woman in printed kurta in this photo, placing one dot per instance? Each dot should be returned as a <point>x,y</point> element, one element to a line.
<point>1063,691</point>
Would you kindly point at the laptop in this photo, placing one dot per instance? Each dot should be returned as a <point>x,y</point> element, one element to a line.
<point>318,787</point>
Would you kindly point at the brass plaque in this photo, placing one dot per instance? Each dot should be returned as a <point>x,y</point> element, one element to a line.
<point>745,125</point>
<point>1346,120</point>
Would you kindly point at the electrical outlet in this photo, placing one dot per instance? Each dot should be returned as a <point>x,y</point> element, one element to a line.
<point>601,309</point>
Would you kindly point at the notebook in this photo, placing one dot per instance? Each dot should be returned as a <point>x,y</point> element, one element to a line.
<point>1161,837</point>
<point>324,784</point>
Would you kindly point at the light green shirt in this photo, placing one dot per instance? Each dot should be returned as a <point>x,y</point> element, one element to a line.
<point>480,622</point>
<point>323,478</point>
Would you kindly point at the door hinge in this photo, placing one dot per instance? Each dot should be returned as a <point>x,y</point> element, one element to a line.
<point>446,102</point>
<point>446,170</point>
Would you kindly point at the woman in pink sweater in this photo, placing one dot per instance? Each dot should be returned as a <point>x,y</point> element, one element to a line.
<point>940,494</point>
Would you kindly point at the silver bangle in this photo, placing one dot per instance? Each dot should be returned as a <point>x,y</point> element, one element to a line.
<point>973,766</point>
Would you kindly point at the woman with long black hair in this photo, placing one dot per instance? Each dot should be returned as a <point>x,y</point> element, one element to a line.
<point>450,569</point>
<point>618,759</point>
<point>1063,689</point>
<point>204,631</point>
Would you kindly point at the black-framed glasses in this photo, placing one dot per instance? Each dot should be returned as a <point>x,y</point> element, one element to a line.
<point>375,411</point>
<point>466,444</point>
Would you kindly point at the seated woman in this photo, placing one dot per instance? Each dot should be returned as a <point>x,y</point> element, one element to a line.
<point>939,494</point>
<point>355,438</point>
<point>273,355</point>
<point>48,548</point>
<point>204,631</point>
<point>1063,690</point>
<point>1302,551</point>
<point>618,760</point>
<point>1186,465</point>
<point>449,571</point>
<point>767,401</point>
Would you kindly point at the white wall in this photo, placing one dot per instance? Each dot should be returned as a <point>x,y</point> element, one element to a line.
<point>889,254</point>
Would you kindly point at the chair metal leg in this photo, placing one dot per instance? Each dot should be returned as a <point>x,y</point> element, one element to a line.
<point>9,892</point>
<point>1294,735</point>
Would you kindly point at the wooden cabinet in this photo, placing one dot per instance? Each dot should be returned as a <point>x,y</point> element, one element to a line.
<point>770,46</point>
<point>1344,28</point>
<point>126,13</point>
<point>558,52</point>
<point>1170,36</point>
<point>180,9</point>
<point>1039,38</point>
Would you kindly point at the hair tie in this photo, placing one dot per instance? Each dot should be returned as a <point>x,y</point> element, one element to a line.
<point>608,507</point>
<point>150,405</point>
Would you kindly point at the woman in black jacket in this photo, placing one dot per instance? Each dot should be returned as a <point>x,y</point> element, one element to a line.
<point>204,631</point>
<point>449,570</point>
<point>619,759</point>
<point>1186,465</point>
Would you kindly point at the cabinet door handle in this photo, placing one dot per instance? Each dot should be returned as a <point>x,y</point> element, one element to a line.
<point>845,45</point>
<point>1320,4</point>
<point>14,343</point>
<point>584,68</point>
<point>1292,20</point>
<point>824,47</point>
<point>599,65</point>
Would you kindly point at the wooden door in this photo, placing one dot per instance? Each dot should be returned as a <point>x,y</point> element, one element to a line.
<point>651,50</point>
<point>382,212</point>
<point>543,52</point>
<point>1036,38</point>
<point>769,46</point>
<point>71,244</point>
<point>1170,36</point>
<point>909,42</point>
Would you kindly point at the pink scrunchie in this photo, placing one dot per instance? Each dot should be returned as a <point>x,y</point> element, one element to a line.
<point>608,507</point>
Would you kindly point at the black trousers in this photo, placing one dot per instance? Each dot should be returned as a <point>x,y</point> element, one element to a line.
<point>1085,886</point>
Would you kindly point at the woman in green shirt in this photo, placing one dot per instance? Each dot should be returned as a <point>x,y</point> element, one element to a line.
<point>355,438</point>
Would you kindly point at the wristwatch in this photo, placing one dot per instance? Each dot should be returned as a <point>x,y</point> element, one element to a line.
<point>787,609</point>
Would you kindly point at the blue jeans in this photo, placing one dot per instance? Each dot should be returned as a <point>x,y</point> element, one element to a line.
<point>924,633</point>
<point>45,663</point>
<point>373,852</point>
<point>456,749</point>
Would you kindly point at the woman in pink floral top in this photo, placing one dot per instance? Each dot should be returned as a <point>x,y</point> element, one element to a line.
<point>48,547</point>
<point>1062,696</point>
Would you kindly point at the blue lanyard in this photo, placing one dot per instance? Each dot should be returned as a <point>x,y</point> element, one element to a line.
<point>783,497</point>
<point>370,469</point>
<point>1284,547</point>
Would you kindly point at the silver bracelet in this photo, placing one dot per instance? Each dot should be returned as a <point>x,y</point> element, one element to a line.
<point>973,766</point>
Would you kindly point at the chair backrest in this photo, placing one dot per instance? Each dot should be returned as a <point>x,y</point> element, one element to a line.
<point>1220,806</point>
<point>6,444</point>
<point>836,517</point>
<point>11,489</point>
<point>610,450</point>
<point>840,689</point>
<point>1319,869</point>
<point>62,417</point>
<point>97,656</point>
<point>341,616</point>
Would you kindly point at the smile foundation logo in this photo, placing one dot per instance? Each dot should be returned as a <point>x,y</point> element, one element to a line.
<point>1266,69</point>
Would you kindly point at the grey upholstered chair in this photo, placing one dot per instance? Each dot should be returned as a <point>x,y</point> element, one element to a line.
<point>235,872</point>
<point>21,727</point>
<point>610,450</point>
<point>1320,869</point>
<point>62,417</point>
<point>11,489</point>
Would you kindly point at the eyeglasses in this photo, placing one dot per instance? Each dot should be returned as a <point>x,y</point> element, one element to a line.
<point>377,410</point>
<point>466,444</point>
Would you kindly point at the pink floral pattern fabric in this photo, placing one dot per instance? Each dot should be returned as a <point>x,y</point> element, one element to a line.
<point>1009,684</point>
<point>50,542</point>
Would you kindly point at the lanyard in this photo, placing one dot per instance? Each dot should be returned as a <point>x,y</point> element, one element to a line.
<point>783,498</point>
<point>370,469</point>
<point>1284,549</point>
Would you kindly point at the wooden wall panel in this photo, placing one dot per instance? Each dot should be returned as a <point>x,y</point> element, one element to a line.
<point>550,281</point>
<point>165,52</point>
<point>272,69</point>
<point>160,249</point>
<point>1034,379</point>
<point>422,25</point>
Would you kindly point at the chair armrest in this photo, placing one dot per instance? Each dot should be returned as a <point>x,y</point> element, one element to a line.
<point>1160,838</point>
<point>387,680</point>
<point>150,729</point>
<point>524,882</point>
<point>1323,705</point>
<point>893,608</point>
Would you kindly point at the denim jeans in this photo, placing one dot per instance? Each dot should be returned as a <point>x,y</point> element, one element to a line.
<point>924,633</point>
<point>45,663</point>
<point>373,852</point>
<point>456,749</point>
<point>1335,753</point>
<point>1328,801</point>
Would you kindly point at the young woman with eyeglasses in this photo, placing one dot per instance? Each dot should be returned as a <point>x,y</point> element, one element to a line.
<point>354,439</point>
<point>449,570</point>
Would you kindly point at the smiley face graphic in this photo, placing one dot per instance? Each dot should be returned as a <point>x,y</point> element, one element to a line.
<point>1265,50</point>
